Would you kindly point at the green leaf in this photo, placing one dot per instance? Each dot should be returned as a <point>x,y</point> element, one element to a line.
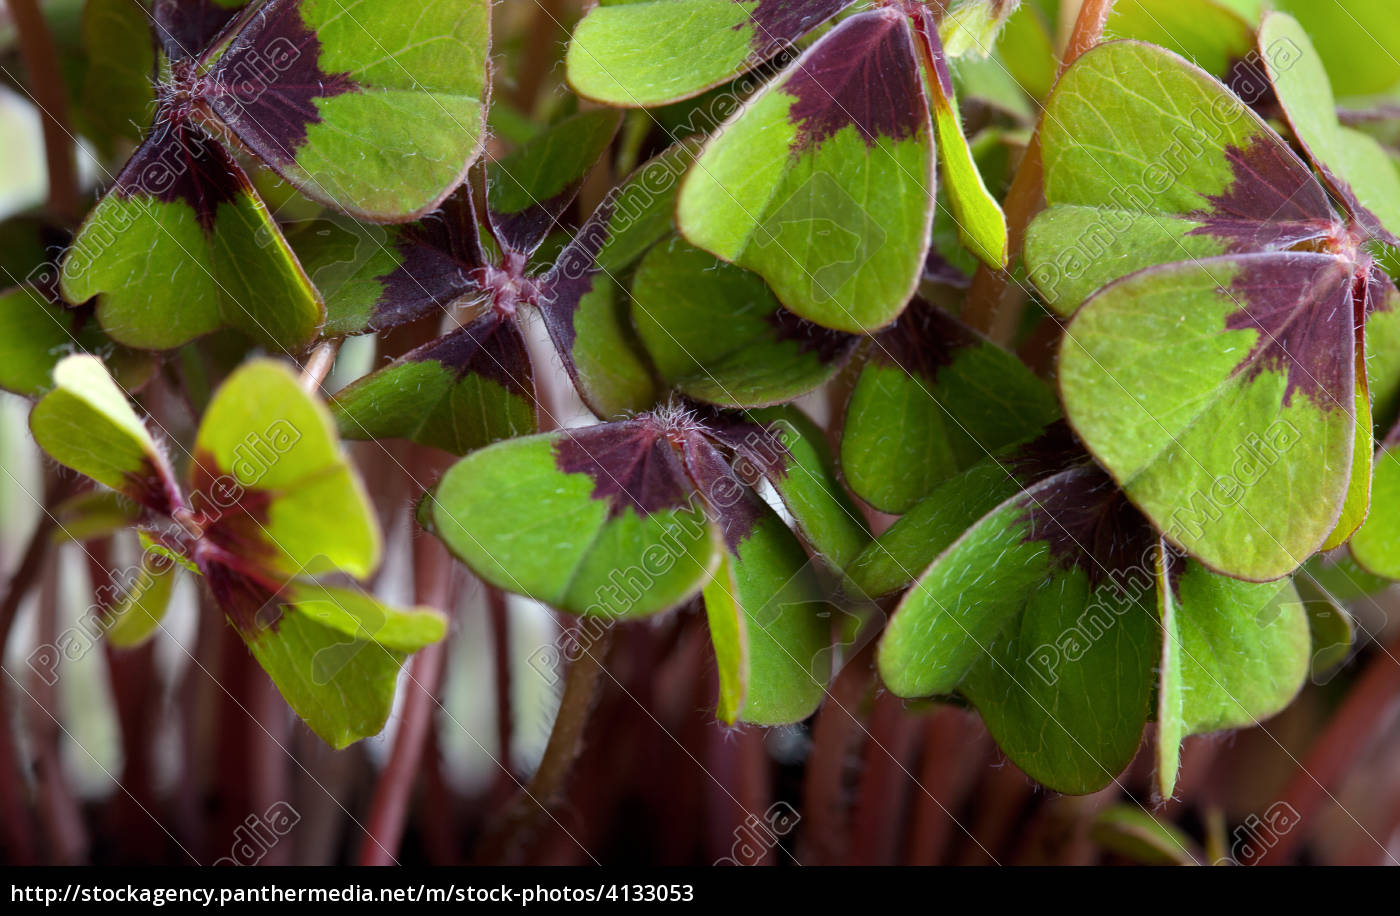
<point>971,26</point>
<point>905,549</point>
<point>1027,51</point>
<point>770,629</point>
<point>1331,627</point>
<point>988,82</point>
<point>85,423</point>
<point>335,654</point>
<point>1133,833</point>
<point>603,356</point>
<point>981,224</point>
<point>94,514</point>
<point>527,190</point>
<point>1200,175</point>
<point>1376,546</point>
<point>599,521</point>
<point>651,52</point>
<point>300,508</point>
<point>1243,452</point>
<point>38,334</point>
<point>1341,577</point>
<point>1358,40</point>
<point>383,115</point>
<point>934,398</point>
<point>117,92</point>
<point>832,209</point>
<point>465,390</point>
<point>143,604</point>
<point>175,251</point>
<point>1357,503</point>
<point>717,334</point>
<point>1233,654</point>
<point>585,309</point>
<point>640,211</point>
<point>1212,36</point>
<point>796,459</point>
<point>1355,164</point>
<point>383,277</point>
<point>1031,614</point>
<point>1383,351</point>
<point>347,262</point>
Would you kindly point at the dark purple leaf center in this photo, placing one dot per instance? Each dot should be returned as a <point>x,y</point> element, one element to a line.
<point>633,464</point>
<point>180,163</point>
<point>862,74</point>
<point>266,85</point>
<point>1272,203</point>
<point>1088,523</point>
<point>1305,313</point>
<point>923,340</point>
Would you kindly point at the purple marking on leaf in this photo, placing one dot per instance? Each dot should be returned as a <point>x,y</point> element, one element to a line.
<point>1361,216</point>
<point>571,278</point>
<point>1272,203</point>
<point>1054,451</point>
<point>491,347</point>
<point>525,230</point>
<point>233,552</point>
<point>266,85</point>
<point>151,487</point>
<point>250,606</point>
<point>632,464</point>
<point>1089,524</point>
<point>178,163</point>
<point>234,516</point>
<point>827,345</point>
<point>453,229</point>
<point>757,447</point>
<point>1247,78</point>
<point>778,23</point>
<point>440,256</point>
<point>185,28</point>
<point>578,142</point>
<point>923,340</point>
<point>861,74</point>
<point>426,282</point>
<point>1301,306</point>
<point>733,506</point>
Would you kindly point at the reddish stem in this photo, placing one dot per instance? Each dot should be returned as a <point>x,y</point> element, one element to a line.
<point>60,818</point>
<point>18,818</point>
<point>952,751</point>
<point>581,685</point>
<point>50,94</point>
<point>130,812</point>
<point>1003,796</point>
<point>823,840</point>
<point>31,562</point>
<point>882,798</point>
<point>739,796</point>
<point>318,365</point>
<point>432,583</point>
